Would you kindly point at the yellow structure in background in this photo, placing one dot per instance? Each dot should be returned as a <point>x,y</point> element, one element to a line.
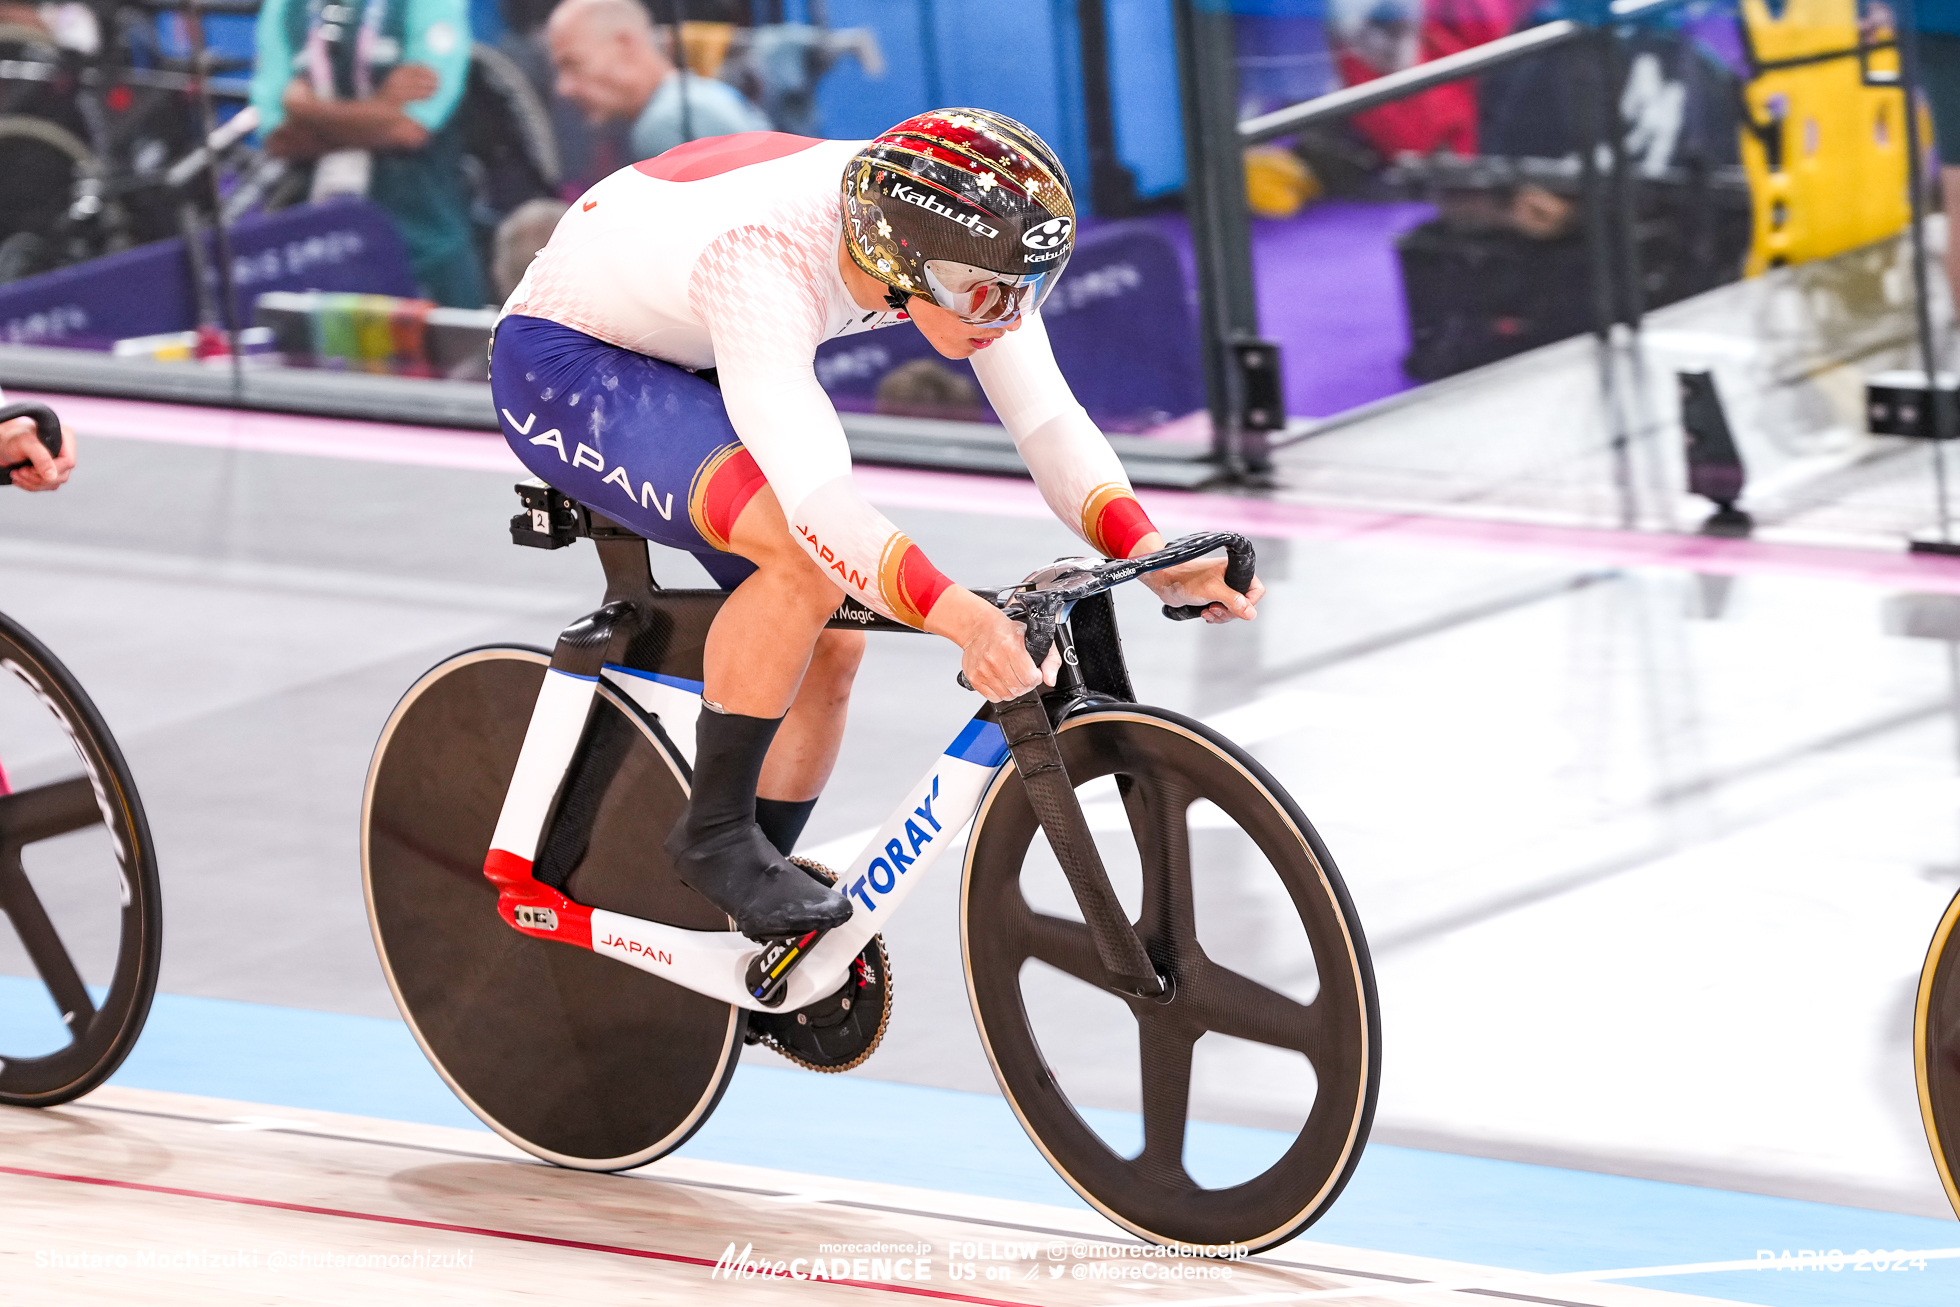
<point>1278,182</point>
<point>1832,174</point>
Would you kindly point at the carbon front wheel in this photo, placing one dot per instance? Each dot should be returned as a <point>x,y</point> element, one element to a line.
<point>78,884</point>
<point>571,1056</point>
<point>1271,1019</point>
<point>1936,1049</point>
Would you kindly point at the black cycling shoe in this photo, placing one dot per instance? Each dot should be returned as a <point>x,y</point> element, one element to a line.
<point>721,854</point>
<point>741,873</point>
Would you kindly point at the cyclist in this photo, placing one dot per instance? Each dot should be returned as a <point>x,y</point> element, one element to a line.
<point>656,363</point>
<point>41,471</point>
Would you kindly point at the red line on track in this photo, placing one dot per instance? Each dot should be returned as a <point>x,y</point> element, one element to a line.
<point>512,1235</point>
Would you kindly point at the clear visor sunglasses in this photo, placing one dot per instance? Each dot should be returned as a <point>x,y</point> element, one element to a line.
<point>981,297</point>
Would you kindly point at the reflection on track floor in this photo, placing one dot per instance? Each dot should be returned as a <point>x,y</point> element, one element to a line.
<point>315,1206</point>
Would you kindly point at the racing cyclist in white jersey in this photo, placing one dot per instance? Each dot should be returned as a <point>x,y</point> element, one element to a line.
<point>656,363</point>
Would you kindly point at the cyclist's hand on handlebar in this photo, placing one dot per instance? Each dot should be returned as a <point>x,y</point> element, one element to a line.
<point>993,649</point>
<point>1202,581</point>
<point>18,441</point>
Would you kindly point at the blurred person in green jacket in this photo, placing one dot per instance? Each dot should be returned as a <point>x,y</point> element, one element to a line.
<point>367,91</point>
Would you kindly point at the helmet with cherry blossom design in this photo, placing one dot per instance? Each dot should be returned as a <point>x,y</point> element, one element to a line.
<point>965,207</point>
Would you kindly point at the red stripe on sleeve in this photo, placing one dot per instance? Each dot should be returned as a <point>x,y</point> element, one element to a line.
<point>1121,523</point>
<point>920,582</point>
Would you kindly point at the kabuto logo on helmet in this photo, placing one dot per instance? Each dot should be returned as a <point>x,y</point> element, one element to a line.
<point>1049,234</point>
<point>913,195</point>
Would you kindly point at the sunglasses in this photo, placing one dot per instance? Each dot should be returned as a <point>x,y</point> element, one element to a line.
<point>981,297</point>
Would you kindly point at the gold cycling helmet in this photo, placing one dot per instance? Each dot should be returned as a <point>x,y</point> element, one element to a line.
<point>966,207</point>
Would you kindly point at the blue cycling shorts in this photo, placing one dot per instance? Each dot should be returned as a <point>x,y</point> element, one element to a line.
<point>644,442</point>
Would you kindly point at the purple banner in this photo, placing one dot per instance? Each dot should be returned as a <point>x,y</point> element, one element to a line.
<point>345,245</point>
<point>1122,327</point>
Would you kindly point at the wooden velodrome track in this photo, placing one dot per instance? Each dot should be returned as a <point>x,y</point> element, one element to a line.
<point>136,1196</point>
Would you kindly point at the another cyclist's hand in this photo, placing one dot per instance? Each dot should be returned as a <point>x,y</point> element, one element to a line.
<point>1202,581</point>
<point>18,441</point>
<point>993,650</point>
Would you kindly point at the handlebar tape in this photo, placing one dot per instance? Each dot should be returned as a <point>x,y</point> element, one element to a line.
<point>1240,564</point>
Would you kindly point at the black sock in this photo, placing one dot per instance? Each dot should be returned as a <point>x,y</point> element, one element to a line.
<point>782,820</point>
<point>728,753</point>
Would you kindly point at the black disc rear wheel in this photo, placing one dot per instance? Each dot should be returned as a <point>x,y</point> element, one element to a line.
<point>574,1057</point>
<point>78,884</point>
<point>1272,994</point>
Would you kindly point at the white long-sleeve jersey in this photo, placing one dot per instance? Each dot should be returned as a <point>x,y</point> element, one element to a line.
<point>724,253</point>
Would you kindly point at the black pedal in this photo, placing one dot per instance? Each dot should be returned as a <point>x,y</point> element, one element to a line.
<point>770,970</point>
<point>550,520</point>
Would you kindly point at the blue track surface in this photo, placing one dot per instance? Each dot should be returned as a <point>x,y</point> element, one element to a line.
<point>1402,1200</point>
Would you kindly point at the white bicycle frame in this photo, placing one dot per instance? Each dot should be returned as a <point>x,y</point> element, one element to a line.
<point>715,963</point>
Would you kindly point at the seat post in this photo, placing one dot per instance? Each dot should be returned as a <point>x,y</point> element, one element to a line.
<point>623,556</point>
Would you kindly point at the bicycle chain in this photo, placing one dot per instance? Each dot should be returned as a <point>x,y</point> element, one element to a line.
<point>833,1034</point>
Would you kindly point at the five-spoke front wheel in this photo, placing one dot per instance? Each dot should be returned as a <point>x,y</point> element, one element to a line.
<point>1236,900</point>
<point>78,883</point>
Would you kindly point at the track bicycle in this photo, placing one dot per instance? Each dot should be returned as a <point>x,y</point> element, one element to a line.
<point>512,830</point>
<point>93,910</point>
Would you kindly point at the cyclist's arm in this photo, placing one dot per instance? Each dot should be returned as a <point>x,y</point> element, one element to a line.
<point>765,319</point>
<point>1080,476</point>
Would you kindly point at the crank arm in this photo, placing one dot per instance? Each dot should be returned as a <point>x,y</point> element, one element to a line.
<point>769,971</point>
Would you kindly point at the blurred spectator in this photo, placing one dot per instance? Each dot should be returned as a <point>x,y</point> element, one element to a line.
<point>612,65</point>
<point>1373,38</point>
<point>927,388</point>
<point>72,26</point>
<point>782,63</point>
<point>519,238</point>
<point>368,92</point>
<point>586,152</point>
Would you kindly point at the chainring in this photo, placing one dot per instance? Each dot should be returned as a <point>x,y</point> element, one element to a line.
<point>842,1029</point>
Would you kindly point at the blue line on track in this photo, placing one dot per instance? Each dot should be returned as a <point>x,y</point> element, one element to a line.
<point>1466,1209</point>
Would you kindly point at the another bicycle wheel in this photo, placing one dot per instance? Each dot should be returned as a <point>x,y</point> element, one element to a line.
<point>574,1057</point>
<point>78,882</point>
<point>1272,995</point>
<point>1936,1049</point>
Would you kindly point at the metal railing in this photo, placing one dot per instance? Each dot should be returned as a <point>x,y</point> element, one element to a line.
<point>1221,225</point>
<point>1410,81</point>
